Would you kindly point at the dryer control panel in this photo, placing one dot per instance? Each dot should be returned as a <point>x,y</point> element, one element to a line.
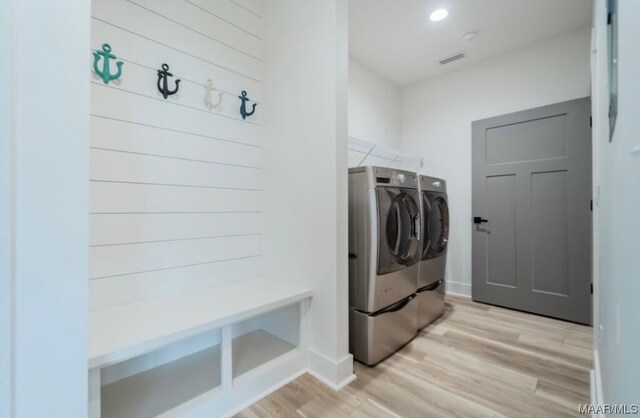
<point>393,177</point>
<point>432,184</point>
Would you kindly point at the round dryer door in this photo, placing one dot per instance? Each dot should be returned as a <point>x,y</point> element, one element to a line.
<point>399,217</point>
<point>436,224</point>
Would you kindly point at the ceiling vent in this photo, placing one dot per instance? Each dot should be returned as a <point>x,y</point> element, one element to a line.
<point>455,57</point>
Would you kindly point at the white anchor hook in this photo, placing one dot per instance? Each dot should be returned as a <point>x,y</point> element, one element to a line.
<point>208,99</point>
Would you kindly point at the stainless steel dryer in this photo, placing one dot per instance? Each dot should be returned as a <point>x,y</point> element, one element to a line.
<point>435,238</point>
<point>384,251</point>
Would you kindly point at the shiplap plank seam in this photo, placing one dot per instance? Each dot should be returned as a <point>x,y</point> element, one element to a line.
<point>118,104</point>
<point>236,119</point>
<point>143,81</point>
<point>175,212</point>
<point>211,26</point>
<point>117,229</point>
<point>214,138</point>
<point>142,51</point>
<point>176,267</point>
<point>138,20</point>
<point>243,7</point>
<point>180,51</point>
<point>177,158</point>
<point>174,185</point>
<point>248,32</point>
<point>196,31</point>
<point>253,234</point>
<point>177,76</point>
<point>135,138</point>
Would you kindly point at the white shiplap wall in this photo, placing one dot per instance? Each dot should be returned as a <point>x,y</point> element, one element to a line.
<point>175,187</point>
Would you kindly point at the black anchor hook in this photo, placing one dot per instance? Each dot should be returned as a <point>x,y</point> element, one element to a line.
<point>243,107</point>
<point>163,76</point>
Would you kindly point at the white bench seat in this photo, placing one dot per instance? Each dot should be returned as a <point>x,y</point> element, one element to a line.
<point>123,332</point>
<point>228,373</point>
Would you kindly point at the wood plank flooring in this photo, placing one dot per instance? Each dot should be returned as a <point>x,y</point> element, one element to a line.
<point>475,361</point>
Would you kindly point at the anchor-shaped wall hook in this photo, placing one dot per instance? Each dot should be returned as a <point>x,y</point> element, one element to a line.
<point>208,100</point>
<point>243,107</point>
<point>105,73</point>
<point>163,76</point>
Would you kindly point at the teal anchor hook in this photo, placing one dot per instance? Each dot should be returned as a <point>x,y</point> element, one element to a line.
<point>105,74</point>
<point>243,107</point>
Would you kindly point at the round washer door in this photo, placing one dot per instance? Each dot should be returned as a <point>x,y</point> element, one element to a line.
<point>397,221</point>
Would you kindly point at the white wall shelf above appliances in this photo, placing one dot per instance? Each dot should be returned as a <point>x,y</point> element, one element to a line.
<point>248,328</point>
<point>362,153</point>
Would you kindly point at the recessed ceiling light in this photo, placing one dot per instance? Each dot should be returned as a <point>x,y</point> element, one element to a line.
<point>438,15</point>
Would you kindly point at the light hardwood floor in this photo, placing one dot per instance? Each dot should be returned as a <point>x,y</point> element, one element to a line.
<point>475,361</point>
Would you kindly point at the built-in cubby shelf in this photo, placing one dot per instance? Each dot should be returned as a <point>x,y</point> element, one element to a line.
<point>163,356</point>
<point>160,389</point>
<point>256,349</point>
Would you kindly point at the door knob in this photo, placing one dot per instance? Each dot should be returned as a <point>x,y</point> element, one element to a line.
<point>479,220</point>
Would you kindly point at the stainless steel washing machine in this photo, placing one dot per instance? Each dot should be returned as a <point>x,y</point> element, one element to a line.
<point>435,238</point>
<point>384,252</point>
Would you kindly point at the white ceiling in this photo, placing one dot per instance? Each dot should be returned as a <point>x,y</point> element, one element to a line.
<point>396,39</point>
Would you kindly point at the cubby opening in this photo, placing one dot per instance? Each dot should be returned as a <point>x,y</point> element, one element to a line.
<point>263,339</point>
<point>149,385</point>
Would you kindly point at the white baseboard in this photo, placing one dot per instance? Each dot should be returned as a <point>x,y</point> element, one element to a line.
<point>335,374</point>
<point>596,383</point>
<point>458,289</point>
<point>264,394</point>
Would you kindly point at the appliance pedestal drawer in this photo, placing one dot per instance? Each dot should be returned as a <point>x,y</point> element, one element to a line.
<point>375,336</point>
<point>430,303</point>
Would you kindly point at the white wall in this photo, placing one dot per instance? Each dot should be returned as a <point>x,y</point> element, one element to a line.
<point>437,116</point>
<point>374,117</point>
<point>6,208</point>
<point>305,178</point>
<point>617,227</point>
<point>374,107</point>
<point>175,187</point>
<point>43,208</point>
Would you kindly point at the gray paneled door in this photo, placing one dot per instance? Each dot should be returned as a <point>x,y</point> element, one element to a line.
<point>532,185</point>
